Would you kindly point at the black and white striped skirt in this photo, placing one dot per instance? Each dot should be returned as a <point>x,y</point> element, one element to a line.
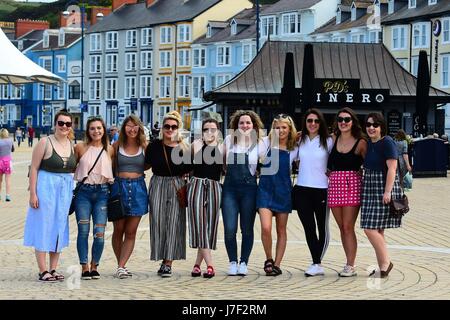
<point>204,197</point>
<point>374,213</point>
<point>167,219</point>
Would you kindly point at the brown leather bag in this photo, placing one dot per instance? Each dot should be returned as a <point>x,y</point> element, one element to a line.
<point>399,206</point>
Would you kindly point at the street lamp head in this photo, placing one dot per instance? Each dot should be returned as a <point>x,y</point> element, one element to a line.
<point>100,16</point>
<point>66,13</point>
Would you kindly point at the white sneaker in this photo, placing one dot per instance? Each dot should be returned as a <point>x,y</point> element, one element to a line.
<point>348,271</point>
<point>232,269</point>
<point>242,269</point>
<point>314,270</point>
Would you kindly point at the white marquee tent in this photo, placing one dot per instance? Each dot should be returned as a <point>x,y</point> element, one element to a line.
<point>16,68</point>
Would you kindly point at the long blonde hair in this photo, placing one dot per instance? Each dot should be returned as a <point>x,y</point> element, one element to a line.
<point>175,115</point>
<point>292,137</point>
<point>141,139</point>
<point>4,133</point>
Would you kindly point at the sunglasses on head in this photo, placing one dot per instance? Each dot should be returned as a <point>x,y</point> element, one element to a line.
<point>170,127</point>
<point>62,123</point>
<point>310,120</point>
<point>94,118</point>
<point>212,130</point>
<point>344,119</point>
<point>372,124</point>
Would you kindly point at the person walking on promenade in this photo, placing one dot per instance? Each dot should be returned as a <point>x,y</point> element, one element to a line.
<point>94,173</point>
<point>243,149</point>
<point>6,148</point>
<point>129,167</point>
<point>380,185</point>
<point>310,191</point>
<point>204,196</point>
<point>403,160</point>
<point>51,183</point>
<point>30,135</point>
<point>273,187</point>
<point>345,181</point>
<point>167,217</point>
<point>114,133</point>
<point>19,134</point>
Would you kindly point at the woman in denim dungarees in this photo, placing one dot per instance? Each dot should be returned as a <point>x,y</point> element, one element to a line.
<point>243,148</point>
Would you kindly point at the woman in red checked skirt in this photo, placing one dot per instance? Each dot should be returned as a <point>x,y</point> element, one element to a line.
<point>345,181</point>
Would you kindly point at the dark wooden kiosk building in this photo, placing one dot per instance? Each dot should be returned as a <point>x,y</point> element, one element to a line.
<point>284,77</point>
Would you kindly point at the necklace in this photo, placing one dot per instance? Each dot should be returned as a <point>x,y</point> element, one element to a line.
<point>63,146</point>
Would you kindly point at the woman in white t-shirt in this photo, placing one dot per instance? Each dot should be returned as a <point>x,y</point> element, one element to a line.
<point>310,191</point>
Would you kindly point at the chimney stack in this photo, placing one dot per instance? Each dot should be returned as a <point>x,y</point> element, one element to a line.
<point>105,11</point>
<point>116,4</point>
<point>24,26</point>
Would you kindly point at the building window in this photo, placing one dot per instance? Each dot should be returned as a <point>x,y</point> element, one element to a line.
<point>431,2</point>
<point>399,38</point>
<point>414,65</point>
<point>353,13</point>
<point>130,87</point>
<point>146,86</point>
<point>338,39</point>
<point>223,56</point>
<point>61,38</point>
<point>446,31</point>
<point>95,43</point>
<point>198,87</point>
<point>269,26</point>
<point>45,92</point>
<point>95,64</point>
<point>111,89</point>
<point>358,38</point>
<point>16,92</point>
<point>339,16</point>
<point>373,37</point>
<point>61,92</point>
<point>61,62</point>
<point>111,63</point>
<point>166,35</point>
<point>248,52</point>
<point>403,63</point>
<point>209,32</point>
<point>130,61</point>
<point>233,28</point>
<point>391,6</point>
<point>131,38</point>
<point>199,59</point>
<point>46,63</point>
<point>74,90</point>
<point>420,35</point>
<point>165,58</point>
<point>291,23</point>
<point>412,4</point>
<point>146,60</point>
<point>94,89</point>
<point>111,40</point>
<point>46,40</point>
<point>184,33</point>
<point>164,86</point>
<point>221,79</point>
<point>184,86</point>
<point>146,37</point>
<point>184,58</point>
<point>20,45</point>
<point>445,71</point>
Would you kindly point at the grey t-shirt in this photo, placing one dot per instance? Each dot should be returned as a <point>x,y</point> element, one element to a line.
<point>5,147</point>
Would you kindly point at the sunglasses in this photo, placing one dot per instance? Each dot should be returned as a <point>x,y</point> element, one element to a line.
<point>62,123</point>
<point>372,124</point>
<point>316,121</point>
<point>94,118</point>
<point>170,127</point>
<point>344,119</point>
<point>212,130</point>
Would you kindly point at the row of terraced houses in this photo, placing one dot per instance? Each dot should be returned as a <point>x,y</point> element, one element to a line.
<point>150,57</point>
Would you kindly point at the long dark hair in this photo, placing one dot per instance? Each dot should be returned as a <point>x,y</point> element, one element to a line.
<point>356,131</point>
<point>88,139</point>
<point>323,130</point>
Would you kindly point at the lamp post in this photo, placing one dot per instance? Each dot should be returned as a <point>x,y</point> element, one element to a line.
<point>76,7</point>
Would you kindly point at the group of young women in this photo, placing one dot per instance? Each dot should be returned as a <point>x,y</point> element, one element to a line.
<point>330,175</point>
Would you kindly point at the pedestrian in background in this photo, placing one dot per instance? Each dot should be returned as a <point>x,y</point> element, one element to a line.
<point>403,159</point>
<point>345,181</point>
<point>30,135</point>
<point>19,134</point>
<point>6,148</point>
<point>51,183</point>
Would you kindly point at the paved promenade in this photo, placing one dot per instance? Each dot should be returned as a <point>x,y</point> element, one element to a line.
<point>420,251</point>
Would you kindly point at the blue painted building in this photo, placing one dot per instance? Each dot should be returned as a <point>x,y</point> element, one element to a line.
<point>60,53</point>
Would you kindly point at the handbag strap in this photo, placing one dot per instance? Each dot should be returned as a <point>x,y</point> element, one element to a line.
<point>92,168</point>
<point>167,163</point>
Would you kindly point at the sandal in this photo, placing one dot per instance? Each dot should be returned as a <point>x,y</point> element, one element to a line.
<point>58,276</point>
<point>196,271</point>
<point>209,272</point>
<point>43,277</point>
<point>268,266</point>
<point>276,271</point>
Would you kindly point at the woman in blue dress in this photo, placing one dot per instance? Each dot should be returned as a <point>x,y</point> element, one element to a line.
<point>274,190</point>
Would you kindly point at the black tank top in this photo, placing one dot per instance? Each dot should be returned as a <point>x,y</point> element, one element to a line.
<point>349,161</point>
<point>212,168</point>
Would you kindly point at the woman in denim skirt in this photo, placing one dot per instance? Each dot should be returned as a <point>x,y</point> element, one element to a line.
<point>129,167</point>
<point>93,155</point>
<point>274,184</point>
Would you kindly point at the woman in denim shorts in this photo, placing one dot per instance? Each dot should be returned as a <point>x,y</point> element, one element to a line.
<point>129,167</point>
<point>94,174</point>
